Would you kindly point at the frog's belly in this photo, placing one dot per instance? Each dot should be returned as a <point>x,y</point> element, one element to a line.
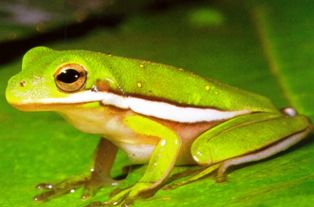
<point>108,122</point>
<point>137,153</point>
<point>141,153</point>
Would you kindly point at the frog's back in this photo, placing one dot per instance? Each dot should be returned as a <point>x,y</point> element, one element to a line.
<point>166,83</point>
<point>159,82</point>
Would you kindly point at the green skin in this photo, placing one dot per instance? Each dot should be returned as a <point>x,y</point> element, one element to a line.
<point>215,147</point>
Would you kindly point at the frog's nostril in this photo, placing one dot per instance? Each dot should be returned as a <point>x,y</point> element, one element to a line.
<point>22,83</point>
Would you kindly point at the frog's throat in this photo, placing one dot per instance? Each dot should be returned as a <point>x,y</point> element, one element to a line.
<point>157,109</point>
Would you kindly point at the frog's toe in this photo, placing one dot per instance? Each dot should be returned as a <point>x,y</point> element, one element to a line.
<point>93,185</point>
<point>118,198</point>
<point>55,190</point>
<point>221,178</point>
<point>126,196</point>
<point>53,193</point>
<point>44,186</point>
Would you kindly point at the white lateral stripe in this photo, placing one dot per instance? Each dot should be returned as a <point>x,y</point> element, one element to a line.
<point>156,109</point>
<point>176,113</point>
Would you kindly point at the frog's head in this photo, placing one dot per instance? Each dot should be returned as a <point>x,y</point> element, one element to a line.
<point>51,78</point>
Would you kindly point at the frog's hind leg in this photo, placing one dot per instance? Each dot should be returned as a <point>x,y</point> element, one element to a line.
<point>260,155</point>
<point>245,139</point>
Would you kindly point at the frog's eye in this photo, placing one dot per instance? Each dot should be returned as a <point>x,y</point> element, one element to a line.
<point>71,77</point>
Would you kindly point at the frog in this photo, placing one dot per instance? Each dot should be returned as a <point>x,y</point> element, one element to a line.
<point>161,116</point>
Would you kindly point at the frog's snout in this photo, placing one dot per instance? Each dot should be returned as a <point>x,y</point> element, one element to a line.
<point>16,87</point>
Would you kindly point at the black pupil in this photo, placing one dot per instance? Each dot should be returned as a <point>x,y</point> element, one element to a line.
<point>68,76</point>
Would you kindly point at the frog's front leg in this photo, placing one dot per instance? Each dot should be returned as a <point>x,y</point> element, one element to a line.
<point>246,139</point>
<point>160,164</point>
<point>99,176</point>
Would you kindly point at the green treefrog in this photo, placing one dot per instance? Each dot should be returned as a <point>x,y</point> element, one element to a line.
<point>159,115</point>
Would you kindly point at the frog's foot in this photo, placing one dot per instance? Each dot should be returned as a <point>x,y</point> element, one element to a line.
<point>89,184</point>
<point>93,185</point>
<point>99,176</point>
<point>51,191</point>
<point>127,196</point>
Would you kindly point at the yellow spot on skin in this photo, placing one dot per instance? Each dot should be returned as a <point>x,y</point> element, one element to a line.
<point>139,84</point>
<point>207,88</point>
<point>141,65</point>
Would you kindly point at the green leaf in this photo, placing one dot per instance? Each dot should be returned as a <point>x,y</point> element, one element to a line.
<point>262,46</point>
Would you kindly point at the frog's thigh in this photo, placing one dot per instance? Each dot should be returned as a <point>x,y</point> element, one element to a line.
<point>165,153</point>
<point>248,138</point>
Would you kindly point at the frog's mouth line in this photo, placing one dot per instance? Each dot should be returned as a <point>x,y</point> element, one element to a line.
<point>45,107</point>
<point>157,109</point>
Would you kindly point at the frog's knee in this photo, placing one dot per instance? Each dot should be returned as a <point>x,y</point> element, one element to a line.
<point>289,111</point>
<point>202,157</point>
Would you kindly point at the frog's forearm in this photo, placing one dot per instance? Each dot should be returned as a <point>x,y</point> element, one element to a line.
<point>165,153</point>
<point>100,174</point>
<point>161,162</point>
<point>104,157</point>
